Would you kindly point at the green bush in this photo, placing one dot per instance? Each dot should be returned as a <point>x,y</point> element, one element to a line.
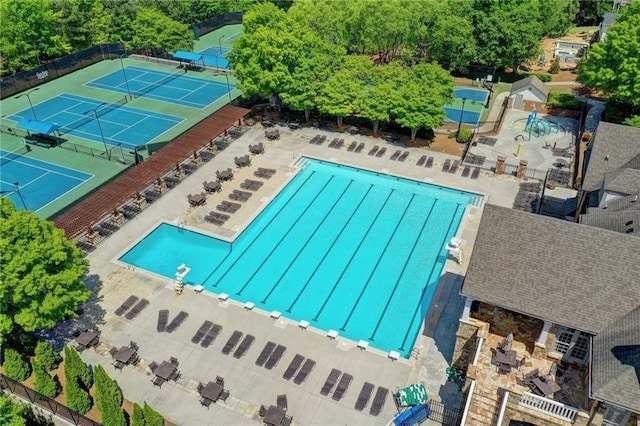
<point>555,66</point>
<point>151,416</point>
<point>137,418</point>
<point>44,383</point>
<point>464,135</point>
<point>563,100</point>
<point>11,413</point>
<point>78,399</point>
<point>15,367</point>
<point>107,390</point>
<point>47,356</point>
<point>633,121</point>
<point>77,367</point>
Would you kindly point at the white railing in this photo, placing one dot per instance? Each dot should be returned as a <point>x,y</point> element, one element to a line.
<point>478,348</point>
<point>503,408</point>
<point>467,405</point>
<point>549,407</point>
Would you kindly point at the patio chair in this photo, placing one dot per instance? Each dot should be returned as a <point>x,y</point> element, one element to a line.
<point>205,402</point>
<point>119,365</point>
<point>133,345</point>
<point>158,381</point>
<point>330,382</point>
<point>143,303</point>
<point>223,395</point>
<point>287,421</point>
<point>306,369</point>
<point>113,351</point>
<point>175,375</point>
<point>263,411</point>
<point>475,173</point>
<point>163,318</point>
<point>446,165</point>
<point>281,402</point>
<point>266,352</point>
<point>200,387</point>
<point>429,163</point>
<point>174,361</point>
<point>126,305</point>
<point>521,362</point>
<point>204,328</point>
<point>177,321</point>
<point>378,401</point>
<point>343,385</point>
<point>220,381</point>
<point>527,379</point>
<point>421,161</point>
<point>275,357</point>
<point>374,150</point>
<point>232,342</point>
<point>153,365</point>
<point>381,152</point>
<point>293,367</point>
<point>211,335</point>
<point>504,369</point>
<point>363,397</point>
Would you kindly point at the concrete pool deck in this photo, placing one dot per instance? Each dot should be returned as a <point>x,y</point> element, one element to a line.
<point>249,385</point>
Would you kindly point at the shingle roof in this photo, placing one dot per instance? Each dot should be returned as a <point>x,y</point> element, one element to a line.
<point>567,273</point>
<point>624,181</point>
<point>531,80</point>
<point>619,205</point>
<point>615,367</point>
<point>614,221</point>
<point>613,147</point>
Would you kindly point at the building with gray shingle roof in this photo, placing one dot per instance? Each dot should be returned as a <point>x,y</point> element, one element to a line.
<point>530,88</point>
<point>625,222</point>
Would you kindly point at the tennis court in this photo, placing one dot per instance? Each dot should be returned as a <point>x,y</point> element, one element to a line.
<point>120,125</point>
<point>474,104</point>
<point>176,88</point>
<point>39,182</point>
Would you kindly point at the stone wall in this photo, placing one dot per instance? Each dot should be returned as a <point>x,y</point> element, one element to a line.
<point>466,343</point>
<point>523,414</point>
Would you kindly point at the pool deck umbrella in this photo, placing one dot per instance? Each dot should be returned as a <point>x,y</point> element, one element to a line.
<point>37,126</point>
<point>412,395</point>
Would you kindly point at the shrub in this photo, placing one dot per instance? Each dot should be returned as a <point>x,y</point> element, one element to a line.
<point>77,367</point>
<point>151,416</point>
<point>107,390</point>
<point>137,418</point>
<point>47,356</point>
<point>15,367</point>
<point>555,66</point>
<point>563,101</point>
<point>11,413</point>
<point>77,398</point>
<point>633,121</point>
<point>464,135</point>
<point>44,383</point>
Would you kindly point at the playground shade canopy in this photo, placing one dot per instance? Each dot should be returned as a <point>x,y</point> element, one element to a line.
<point>187,56</point>
<point>412,395</point>
<point>37,126</point>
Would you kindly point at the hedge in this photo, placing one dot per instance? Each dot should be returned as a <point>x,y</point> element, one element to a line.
<point>109,399</point>
<point>151,416</point>
<point>78,399</point>
<point>44,383</point>
<point>137,418</point>
<point>15,367</point>
<point>77,367</point>
<point>47,356</point>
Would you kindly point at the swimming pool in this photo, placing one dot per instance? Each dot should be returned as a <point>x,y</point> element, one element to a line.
<point>343,248</point>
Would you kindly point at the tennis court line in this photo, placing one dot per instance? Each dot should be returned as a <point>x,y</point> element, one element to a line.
<point>56,198</point>
<point>233,36</point>
<point>53,168</point>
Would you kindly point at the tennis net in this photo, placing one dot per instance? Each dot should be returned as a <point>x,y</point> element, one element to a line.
<point>159,83</point>
<point>100,111</point>
<point>14,155</point>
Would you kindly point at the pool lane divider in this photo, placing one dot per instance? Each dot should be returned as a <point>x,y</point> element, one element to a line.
<point>375,268</point>
<point>406,335</point>
<point>326,253</point>
<point>259,234</point>
<point>326,216</point>
<point>263,301</point>
<point>395,287</point>
<point>364,237</point>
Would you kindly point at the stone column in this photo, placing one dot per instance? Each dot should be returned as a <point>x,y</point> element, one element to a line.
<point>522,169</point>
<point>500,164</point>
<point>467,309</point>
<point>540,350</point>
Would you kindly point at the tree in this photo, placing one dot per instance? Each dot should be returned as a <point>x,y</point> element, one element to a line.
<point>380,89</point>
<point>152,29</point>
<point>73,16</point>
<point>11,414</point>
<point>42,273</point>
<point>78,399</point>
<point>109,399</point>
<point>77,367</point>
<point>44,382</point>
<point>591,11</point>
<point>15,367</point>
<point>137,418</point>
<point>612,65</point>
<point>557,16</point>
<point>151,416</point>
<point>47,356</point>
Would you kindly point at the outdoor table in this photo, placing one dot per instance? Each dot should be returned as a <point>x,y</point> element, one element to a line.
<point>274,416</point>
<point>547,387</point>
<point>197,199</point>
<point>212,391</point>
<point>165,370</point>
<point>508,357</point>
<point>86,338</point>
<point>212,186</point>
<point>124,354</point>
<point>224,174</point>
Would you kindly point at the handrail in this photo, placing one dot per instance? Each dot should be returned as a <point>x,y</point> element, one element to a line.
<point>503,408</point>
<point>478,348</point>
<point>548,406</point>
<point>467,404</point>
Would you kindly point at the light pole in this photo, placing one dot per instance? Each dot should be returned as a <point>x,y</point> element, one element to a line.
<point>464,100</point>
<point>228,86</point>
<point>126,82</point>
<point>220,45</point>
<point>33,111</point>
<point>10,191</point>
<point>95,115</point>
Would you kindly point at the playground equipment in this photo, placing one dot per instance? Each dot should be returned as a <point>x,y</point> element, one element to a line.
<point>540,126</point>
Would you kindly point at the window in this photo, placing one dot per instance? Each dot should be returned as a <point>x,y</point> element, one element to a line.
<point>572,344</point>
<point>614,416</point>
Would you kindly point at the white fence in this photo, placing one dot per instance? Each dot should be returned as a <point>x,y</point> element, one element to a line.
<point>549,407</point>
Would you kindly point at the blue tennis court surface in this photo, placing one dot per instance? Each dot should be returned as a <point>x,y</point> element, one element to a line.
<point>477,95</point>
<point>177,88</point>
<point>215,51</point>
<point>40,182</point>
<point>468,117</point>
<point>473,106</point>
<point>122,126</point>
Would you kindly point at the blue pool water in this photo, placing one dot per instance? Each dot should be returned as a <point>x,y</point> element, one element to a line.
<point>343,248</point>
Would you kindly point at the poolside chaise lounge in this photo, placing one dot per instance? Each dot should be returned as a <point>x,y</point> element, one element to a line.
<point>466,171</point>
<point>446,165</point>
<point>307,367</point>
<point>365,394</point>
<point>126,305</point>
<point>352,146</point>
<point>476,173</point>
<point>454,166</point>
<point>378,401</point>
<point>293,367</point>
<point>396,154</point>
<point>244,346</point>
<point>360,147</point>
<point>232,342</point>
<point>177,321</point>
<point>374,150</point>
<point>429,162</point>
<point>163,318</point>
<point>204,328</point>
<point>333,143</point>
<point>381,152</point>
<point>275,357</point>
<point>403,156</point>
<point>421,161</point>
<point>266,352</point>
<point>343,385</point>
<point>332,378</point>
<point>135,311</point>
<point>339,144</point>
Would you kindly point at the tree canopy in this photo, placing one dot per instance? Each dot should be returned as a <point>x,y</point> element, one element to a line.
<point>42,273</point>
<point>613,65</point>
